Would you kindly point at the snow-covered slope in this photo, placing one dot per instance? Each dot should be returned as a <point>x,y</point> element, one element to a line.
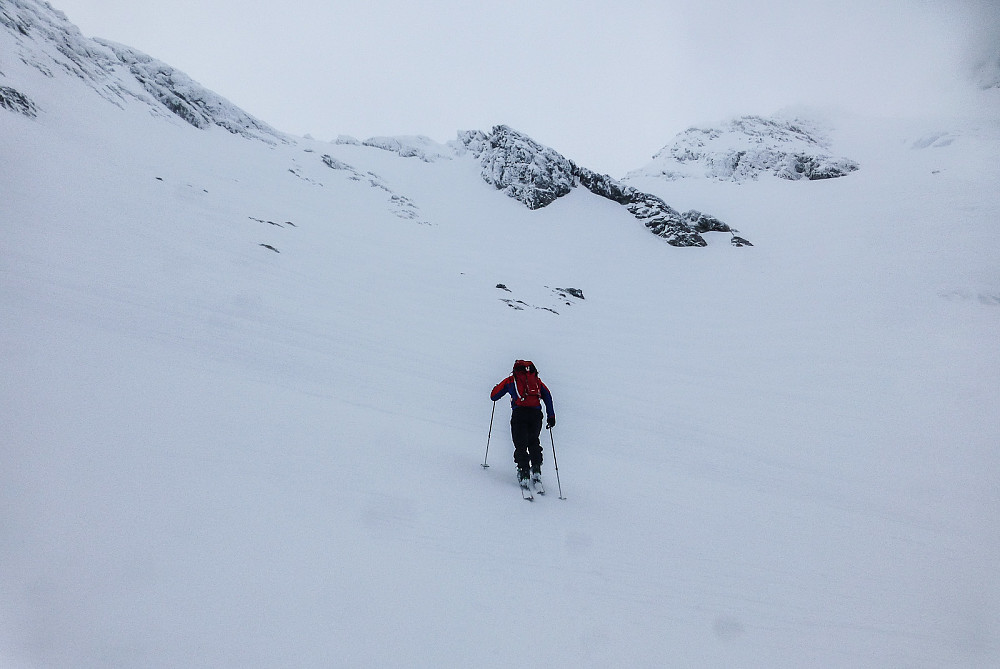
<point>42,39</point>
<point>746,148</point>
<point>988,74</point>
<point>986,71</point>
<point>245,402</point>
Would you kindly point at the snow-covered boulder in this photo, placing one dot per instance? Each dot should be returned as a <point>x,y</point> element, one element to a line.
<point>746,148</point>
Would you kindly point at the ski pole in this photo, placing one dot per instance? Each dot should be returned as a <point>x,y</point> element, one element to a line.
<point>555,461</point>
<point>488,435</point>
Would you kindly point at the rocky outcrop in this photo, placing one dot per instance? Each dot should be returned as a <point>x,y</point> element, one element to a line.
<point>661,219</point>
<point>537,175</point>
<point>13,100</point>
<point>521,167</point>
<point>747,148</point>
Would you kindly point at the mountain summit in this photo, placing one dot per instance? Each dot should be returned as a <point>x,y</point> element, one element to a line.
<point>748,147</point>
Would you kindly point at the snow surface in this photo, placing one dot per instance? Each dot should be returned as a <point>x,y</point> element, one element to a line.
<point>215,454</point>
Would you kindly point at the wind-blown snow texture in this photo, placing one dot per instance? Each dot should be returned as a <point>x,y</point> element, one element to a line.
<point>219,455</point>
<point>748,147</point>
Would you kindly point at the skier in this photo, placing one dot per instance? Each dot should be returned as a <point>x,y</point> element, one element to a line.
<point>527,393</point>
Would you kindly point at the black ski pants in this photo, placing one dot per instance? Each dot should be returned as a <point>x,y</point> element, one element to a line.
<point>525,428</point>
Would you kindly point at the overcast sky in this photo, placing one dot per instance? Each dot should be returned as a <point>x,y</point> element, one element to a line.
<point>605,83</point>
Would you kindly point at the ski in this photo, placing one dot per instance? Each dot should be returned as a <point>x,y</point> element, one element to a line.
<point>526,493</point>
<point>536,484</point>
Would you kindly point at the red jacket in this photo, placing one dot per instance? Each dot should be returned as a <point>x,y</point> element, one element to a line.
<point>509,387</point>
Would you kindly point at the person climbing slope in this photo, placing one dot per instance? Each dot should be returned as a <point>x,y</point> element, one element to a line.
<point>527,394</point>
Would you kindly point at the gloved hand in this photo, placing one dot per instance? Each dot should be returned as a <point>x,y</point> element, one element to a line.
<point>550,422</point>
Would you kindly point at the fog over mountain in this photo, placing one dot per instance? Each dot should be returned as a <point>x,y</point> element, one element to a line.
<point>607,88</point>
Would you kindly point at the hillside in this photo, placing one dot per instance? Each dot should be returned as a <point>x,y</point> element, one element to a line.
<point>247,396</point>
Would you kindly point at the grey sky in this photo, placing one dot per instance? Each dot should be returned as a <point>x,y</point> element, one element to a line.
<point>607,84</point>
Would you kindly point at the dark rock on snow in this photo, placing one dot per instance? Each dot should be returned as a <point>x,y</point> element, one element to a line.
<point>17,102</point>
<point>537,175</point>
<point>521,167</point>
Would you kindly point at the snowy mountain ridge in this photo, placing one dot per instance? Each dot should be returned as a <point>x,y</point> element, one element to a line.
<point>511,161</point>
<point>537,175</point>
<point>189,100</point>
<point>748,147</point>
<point>45,40</point>
<point>407,146</point>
